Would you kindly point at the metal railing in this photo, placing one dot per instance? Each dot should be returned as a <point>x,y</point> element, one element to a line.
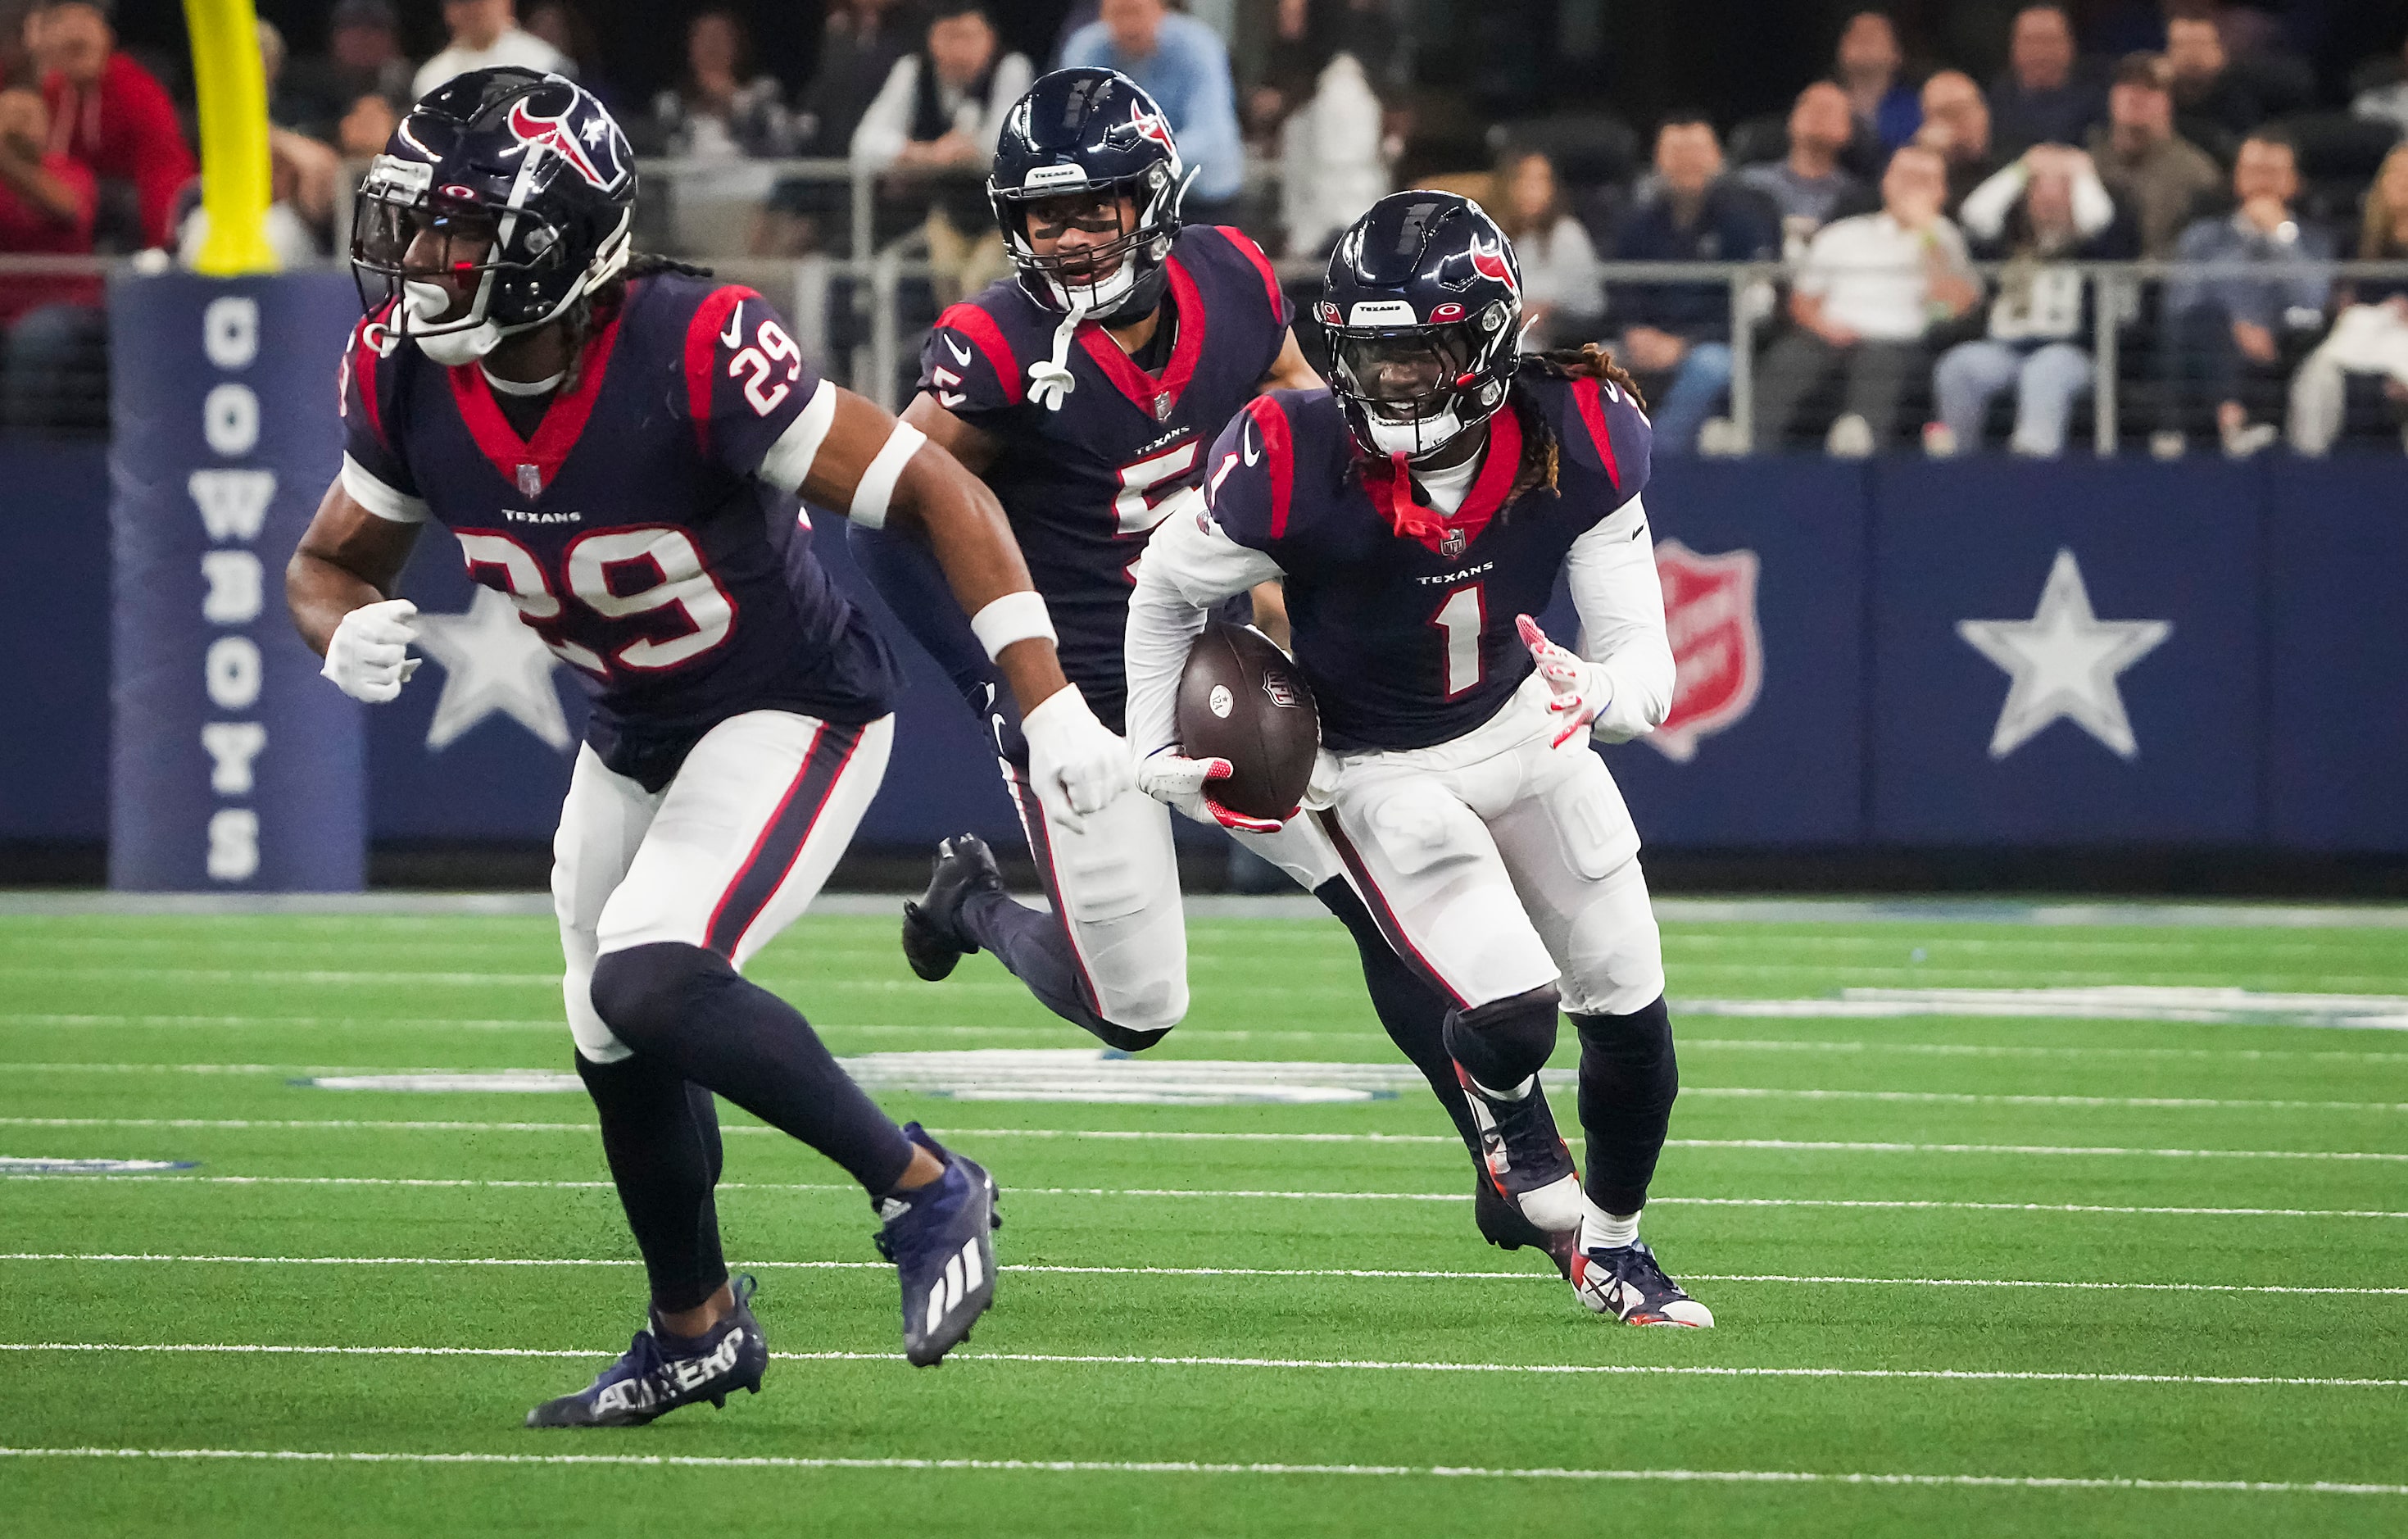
<point>870,284</point>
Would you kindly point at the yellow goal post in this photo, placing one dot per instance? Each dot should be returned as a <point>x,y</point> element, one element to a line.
<point>234,175</point>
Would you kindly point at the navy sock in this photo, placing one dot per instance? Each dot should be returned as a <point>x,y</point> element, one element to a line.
<point>689,1009</point>
<point>1031,947</point>
<point>661,1136</point>
<point>1411,1012</point>
<point>1628,1079</point>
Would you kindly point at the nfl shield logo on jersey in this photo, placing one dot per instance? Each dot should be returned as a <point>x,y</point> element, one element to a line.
<point>1451,544</point>
<point>1717,653</point>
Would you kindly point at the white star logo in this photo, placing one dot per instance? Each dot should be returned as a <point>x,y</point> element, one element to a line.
<point>594,130</point>
<point>491,662</point>
<point>2064,661</point>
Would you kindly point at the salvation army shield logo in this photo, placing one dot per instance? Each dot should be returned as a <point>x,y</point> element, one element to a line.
<point>1717,651</point>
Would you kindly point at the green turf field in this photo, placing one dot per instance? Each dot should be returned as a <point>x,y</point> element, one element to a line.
<point>1974,1274</point>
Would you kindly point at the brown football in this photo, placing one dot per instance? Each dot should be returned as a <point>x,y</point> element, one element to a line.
<point>1241,700</point>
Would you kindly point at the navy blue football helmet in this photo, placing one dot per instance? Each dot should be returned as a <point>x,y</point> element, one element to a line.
<point>1423,304</point>
<point>1091,132</point>
<point>513,186</point>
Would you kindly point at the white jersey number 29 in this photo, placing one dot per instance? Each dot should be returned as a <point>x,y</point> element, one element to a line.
<point>684,584</point>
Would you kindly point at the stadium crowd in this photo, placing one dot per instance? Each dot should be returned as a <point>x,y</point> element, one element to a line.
<point>1916,237</point>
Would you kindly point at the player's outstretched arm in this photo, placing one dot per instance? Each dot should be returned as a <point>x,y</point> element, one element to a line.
<point>886,473</point>
<point>339,586</point>
<point>1623,672</point>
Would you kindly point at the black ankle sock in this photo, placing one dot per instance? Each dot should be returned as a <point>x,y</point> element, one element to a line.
<point>1411,1012</point>
<point>661,1136</point>
<point>1031,947</point>
<point>1628,1079</point>
<point>689,1009</point>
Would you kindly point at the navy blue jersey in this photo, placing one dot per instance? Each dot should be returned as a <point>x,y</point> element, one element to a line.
<point>632,530</point>
<point>1409,640</point>
<point>1084,485</point>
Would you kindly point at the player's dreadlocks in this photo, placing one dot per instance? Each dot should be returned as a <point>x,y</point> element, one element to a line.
<point>596,308</point>
<point>1539,449</point>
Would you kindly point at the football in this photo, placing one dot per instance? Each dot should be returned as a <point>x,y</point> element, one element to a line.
<point>1241,700</point>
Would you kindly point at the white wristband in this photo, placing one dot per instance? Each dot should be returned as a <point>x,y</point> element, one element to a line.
<point>877,484</point>
<point>1013,617</point>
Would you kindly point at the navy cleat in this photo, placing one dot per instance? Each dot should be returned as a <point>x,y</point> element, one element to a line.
<point>940,1240</point>
<point>1625,1283</point>
<point>1502,1225</point>
<point>933,941</point>
<point>660,1373</point>
<point>1526,1161</point>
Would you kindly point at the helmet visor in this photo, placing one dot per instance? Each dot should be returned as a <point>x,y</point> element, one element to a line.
<point>1407,374</point>
<point>402,233</point>
<point>1082,238</point>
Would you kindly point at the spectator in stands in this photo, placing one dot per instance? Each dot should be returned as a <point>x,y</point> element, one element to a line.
<point>1184,65</point>
<point>2041,214</point>
<point>2370,336</point>
<point>486,35</point>
<point>1679,333</point>
<point>858,48</point>
<point>1869,62</point>
<point>2044,98</point>
<point>565,28</point>
<point>2225,336</point>
<point>306,168</point>
<point>721,107</point>
<point>2386,102</point>
<point>1807,184</point>
<point>2215,105</point>
<point>365,128</point>
<point>1563,298</point>
<point>1956,124</point>
<point>109,112</point>
<point>1871,290</point>
<point>2156,173</point>
<point>941,113</point>
<point>53,368</point>
<point>1331,164</point>
<point>363,58</point>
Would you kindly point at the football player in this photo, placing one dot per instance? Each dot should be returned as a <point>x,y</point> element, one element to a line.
<point>1087,393</point>
<point>1419,512</point>
<point>618,447</point>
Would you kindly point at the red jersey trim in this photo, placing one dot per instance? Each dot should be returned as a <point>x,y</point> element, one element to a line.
<point>1486,498</point>
<point>364,358</point>
<point>702,340</point>
<point>979,327</point>
<point>563,424</point>
<point>1280,449</point>
<point>1253,253</point>
<point>1586,395</point>
<point>1143,389</point>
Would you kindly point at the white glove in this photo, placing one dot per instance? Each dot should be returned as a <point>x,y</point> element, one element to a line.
<point>365,656</point>
<point>1169,776</point>
<point>1579,688</point>
<point>1074,757</point>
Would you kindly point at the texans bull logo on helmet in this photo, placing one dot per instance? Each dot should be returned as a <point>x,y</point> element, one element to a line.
<point>579,147</point>
<point>1489,259</point>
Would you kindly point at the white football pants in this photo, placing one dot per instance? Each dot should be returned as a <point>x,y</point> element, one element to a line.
<point>1114,887</point>
<point>727,855</point>
<point>1497,864</point>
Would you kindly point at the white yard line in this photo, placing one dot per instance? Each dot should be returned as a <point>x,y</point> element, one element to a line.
<point>1155,1136</point>
<point>1384,1075</point>
<point>1212,1272</point>
<point>143,1179</point>
<point>1318,1364</point>
<point>1179,1467</point>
